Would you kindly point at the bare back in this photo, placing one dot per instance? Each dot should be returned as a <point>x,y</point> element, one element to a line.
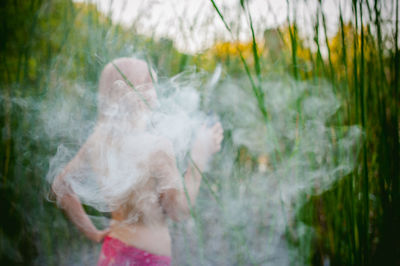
<point>138,216</point>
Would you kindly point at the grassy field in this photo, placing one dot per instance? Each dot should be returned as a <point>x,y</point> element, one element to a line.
<point>309,169</point>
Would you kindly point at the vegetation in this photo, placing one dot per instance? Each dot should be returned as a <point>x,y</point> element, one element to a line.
<point>49,46</point>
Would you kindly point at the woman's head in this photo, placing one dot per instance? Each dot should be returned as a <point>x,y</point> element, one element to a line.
<point>126,89</point>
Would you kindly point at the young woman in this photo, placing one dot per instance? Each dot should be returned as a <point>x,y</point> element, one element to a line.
<point>132,170</point>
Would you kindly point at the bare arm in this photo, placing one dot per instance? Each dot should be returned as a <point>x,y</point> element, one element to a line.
<point>70,202</point>
<point>175,201</point>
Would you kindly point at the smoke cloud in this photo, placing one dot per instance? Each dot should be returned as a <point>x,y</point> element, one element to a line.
<point>253,187</point>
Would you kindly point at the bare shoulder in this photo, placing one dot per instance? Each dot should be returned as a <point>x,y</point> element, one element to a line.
<point>89,145</point>
<point>88,152</point>
<point>163,147</point>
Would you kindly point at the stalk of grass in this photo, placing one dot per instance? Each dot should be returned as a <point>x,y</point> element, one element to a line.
<point>363,123</point>
<point>6,134</point>
<point>396,137</point>
<point>332,71</point>
<point>396,73</point>
<point>255,50</point>
<point>258,93</point>
<point>381,110</point>
<point>257,90</point>
<point>355,61</point>
<point>7,126</point>
<point>359,230</point>
<point>389,149</point>
<point>320,66</point>
<point>293,42</point>
<point>349,188</point>
<point>344,51</point>
<point>334,230</point>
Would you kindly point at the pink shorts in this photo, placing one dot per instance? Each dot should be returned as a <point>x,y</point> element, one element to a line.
<point>115,252</point>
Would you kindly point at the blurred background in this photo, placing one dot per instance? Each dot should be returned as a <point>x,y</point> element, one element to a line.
<point>307,91</point>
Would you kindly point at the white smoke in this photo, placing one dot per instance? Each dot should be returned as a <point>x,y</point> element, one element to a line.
<point>246,204</point>
<point>300,152</point>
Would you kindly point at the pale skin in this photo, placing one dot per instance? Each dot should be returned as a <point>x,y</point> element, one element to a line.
<point>171,200</point>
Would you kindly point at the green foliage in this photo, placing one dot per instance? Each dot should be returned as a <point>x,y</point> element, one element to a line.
<point>47,46</point>
<point>356,220</point>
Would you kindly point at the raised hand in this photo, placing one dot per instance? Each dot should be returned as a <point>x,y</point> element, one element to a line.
<point>207,142</point>
<point>217,137</point>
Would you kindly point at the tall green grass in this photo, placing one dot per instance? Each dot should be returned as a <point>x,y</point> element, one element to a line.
<point>360,211</point>
<point>355,222</point>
